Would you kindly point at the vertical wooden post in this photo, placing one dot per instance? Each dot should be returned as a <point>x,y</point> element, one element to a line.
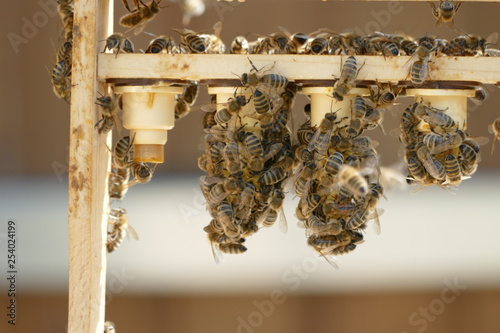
<point>89,163</point>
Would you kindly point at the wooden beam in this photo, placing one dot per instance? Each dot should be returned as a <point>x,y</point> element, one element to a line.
<point>294,67</point>
<point>89,159</point>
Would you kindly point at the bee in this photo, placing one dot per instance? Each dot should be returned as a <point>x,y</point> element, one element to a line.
<point>221,190</point>
<point>109,327</point>
<point>452,169</point>
<point>239,45</point>
<point>141,16</point>
<point>334,163</point>
<point>426,45</point>
<point>272,176</point>
<point>65,52</point>
<point>233,248</point>
<point>309,203</point>
<point>191,42</point>
<point>379,43</point>
<point>122,152</point>
<point>434,167</point>
<point>61,80</point>
<point>163,44</point>
<point>118,182</point>
<point>358,108</point>
<point>468,158</point>
<point>329,241</point>
<point>117,43</point>
<point>247,196</point>
<point>494,129</point>
<point>142,173</point>
<point>417,171</point>
<point>109,114</point>
<point>65,9</point>
<point>320,142</point>
<point>213,42</point>
<point>261,101</point>
<point>348,73</point>
<point>119,229</point>
<point>418,72</point>
<point>373,119</point>
<point>318,45</point>
<point>305,133</point>
<point>468,45</point>
<point>349,43</point>
<point>446,11</point>
<point>385,94</point>
<point>270,81</point>
<point>353,181</point>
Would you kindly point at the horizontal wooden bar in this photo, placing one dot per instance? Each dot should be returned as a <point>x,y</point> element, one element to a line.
<point>201,67</point>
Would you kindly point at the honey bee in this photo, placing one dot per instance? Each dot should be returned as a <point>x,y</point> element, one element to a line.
<point>221,190</point>
<point>186,99</point>
<point>233,248</point>
<point>261,101</point>
<point>418,72</point>
<point>452,169</point>
<point>239,45</point>
<point>273,175</point>
<point>373,119</point>
<point>494,129</point>
<point>446,11</point>
<point>117,43</point>
<point>142,173</point>
<point>318,45</point>
<point>434,167</point>
<point>320,141</point>
<point>213,41</point>
<point>348,73</point>
<point>191,42</point>
<point>380,43</point>
<point>468,159</point>
<point>225,114</point>
<point>122,152</point>
<point>119,229</point>
<point>109,114</point>
<point>138,18</point>
<point>305,133</point>
<point>353,181</point>
<point>247,196</point>
<point>163,44</point>
<point>61,80</point>
<point>181,108</point>
<point>65,9</point>
<point>468,45</point>
<point>270,81</point>
<point>417,171</point>
<point>385,94</point>
<point>118,182</point>
<point>65,52</point>
<point>109,327</point>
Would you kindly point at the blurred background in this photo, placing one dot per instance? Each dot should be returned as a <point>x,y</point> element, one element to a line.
<point>434,268</point>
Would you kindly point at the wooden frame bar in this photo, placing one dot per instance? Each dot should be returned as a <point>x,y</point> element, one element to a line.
<point>202,67</point>
<point>88,165</point>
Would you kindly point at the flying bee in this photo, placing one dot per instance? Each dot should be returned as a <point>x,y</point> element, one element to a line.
<point>191,42</point>
<point>61,80</point>
<point>138,19</point>
<point>163,44</point>
<point>494,129</point>
<point>118,182</point>
<point>353,181</point>
<point>385,94</point>
<point>239,45</point>
<point>446,11</point>
<point>452,169</point>
<point>119,229</point>
<point>348,73</point>
<point>117,43</point>
<point>418,72</point>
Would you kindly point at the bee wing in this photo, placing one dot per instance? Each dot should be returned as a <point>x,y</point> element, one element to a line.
<point>209,107</point>
<point>376,221</point>
<point>216,253</point>
<point>286,32</point>
<point>480,140</point>
<point>132,232</point>
<point>217,28</point>
<point>330,259</point>
<point>283,225</point>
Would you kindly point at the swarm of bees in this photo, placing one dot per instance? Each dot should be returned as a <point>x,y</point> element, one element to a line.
<point>337,180</point>
<point>61,74</point>
<point>246,172</point>
<point>437,151</point>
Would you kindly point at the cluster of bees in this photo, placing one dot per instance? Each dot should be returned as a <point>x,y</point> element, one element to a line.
<point>61,73</point>
<point>247,169</point>
<point>437,151</point>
